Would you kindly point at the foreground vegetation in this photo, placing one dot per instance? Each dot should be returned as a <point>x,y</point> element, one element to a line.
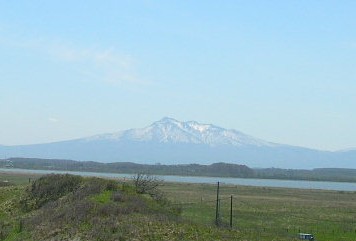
<point>66,207</point>
<point>215,170</point>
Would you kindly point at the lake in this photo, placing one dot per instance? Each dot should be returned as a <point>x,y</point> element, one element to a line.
<point>338,186</point>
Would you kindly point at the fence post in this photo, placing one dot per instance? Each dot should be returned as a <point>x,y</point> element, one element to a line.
<point>231,211</point>
<point>217,206</point>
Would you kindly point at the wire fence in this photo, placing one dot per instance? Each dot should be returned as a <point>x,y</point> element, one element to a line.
<point>227,211</point>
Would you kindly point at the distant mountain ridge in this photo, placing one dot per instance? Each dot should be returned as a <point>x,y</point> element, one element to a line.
<point>169,130</point>
<point>169,141</point>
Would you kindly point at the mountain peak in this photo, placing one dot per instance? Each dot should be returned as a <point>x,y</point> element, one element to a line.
<point>167,119</point>
<point>188,126</point>
<point>193,124</point>
<point>170,130</point>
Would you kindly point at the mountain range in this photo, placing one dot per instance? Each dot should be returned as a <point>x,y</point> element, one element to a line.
<point>169,141</point>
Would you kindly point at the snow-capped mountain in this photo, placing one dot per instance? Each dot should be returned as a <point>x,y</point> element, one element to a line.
<point>169,130</point>
<point>169,141</point>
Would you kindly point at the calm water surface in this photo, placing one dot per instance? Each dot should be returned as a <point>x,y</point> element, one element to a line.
<point>339,186</point>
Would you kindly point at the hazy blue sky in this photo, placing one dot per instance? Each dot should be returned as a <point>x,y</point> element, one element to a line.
<point>283,71</point>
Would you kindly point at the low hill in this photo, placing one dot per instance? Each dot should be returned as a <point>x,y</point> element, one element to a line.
<point>213,170</point>
<point>66,207</point>
<point>216,169</point>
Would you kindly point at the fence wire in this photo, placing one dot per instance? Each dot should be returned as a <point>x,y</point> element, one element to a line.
<point>251,217</point>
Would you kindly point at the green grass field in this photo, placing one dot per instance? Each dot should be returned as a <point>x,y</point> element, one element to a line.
<point>259,213</point>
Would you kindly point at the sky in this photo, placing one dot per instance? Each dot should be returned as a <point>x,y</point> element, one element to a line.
<point>282,71</point>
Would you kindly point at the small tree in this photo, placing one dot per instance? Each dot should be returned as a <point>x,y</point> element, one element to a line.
<point>148,184</point>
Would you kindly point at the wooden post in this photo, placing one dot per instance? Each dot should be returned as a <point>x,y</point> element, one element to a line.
<point>20,225</point>
<point>217,206</point>
<point>231,211</point>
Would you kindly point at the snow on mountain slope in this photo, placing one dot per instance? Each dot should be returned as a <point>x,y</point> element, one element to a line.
<point>169,130</point>
<point>347,149</point>
<point>169,141</point>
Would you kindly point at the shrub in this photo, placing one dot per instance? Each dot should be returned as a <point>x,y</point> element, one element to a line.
<point>147,184</point>
<point>49,188</point>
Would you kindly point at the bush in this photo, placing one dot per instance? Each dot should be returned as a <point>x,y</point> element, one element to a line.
<point>147,184</point>
<point>49,188</point>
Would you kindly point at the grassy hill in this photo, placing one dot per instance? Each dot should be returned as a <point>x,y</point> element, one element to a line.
<point>67,207</point>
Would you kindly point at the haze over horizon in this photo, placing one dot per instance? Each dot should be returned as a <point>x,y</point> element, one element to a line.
<point>281,71</point>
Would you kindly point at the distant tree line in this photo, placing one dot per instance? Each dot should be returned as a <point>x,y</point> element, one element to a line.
<point>213,170</point>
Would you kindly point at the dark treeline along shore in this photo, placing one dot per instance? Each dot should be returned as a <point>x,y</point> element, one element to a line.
<point>213,170</point>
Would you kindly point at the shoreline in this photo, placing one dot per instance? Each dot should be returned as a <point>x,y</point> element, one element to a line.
<point>278,183</point>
